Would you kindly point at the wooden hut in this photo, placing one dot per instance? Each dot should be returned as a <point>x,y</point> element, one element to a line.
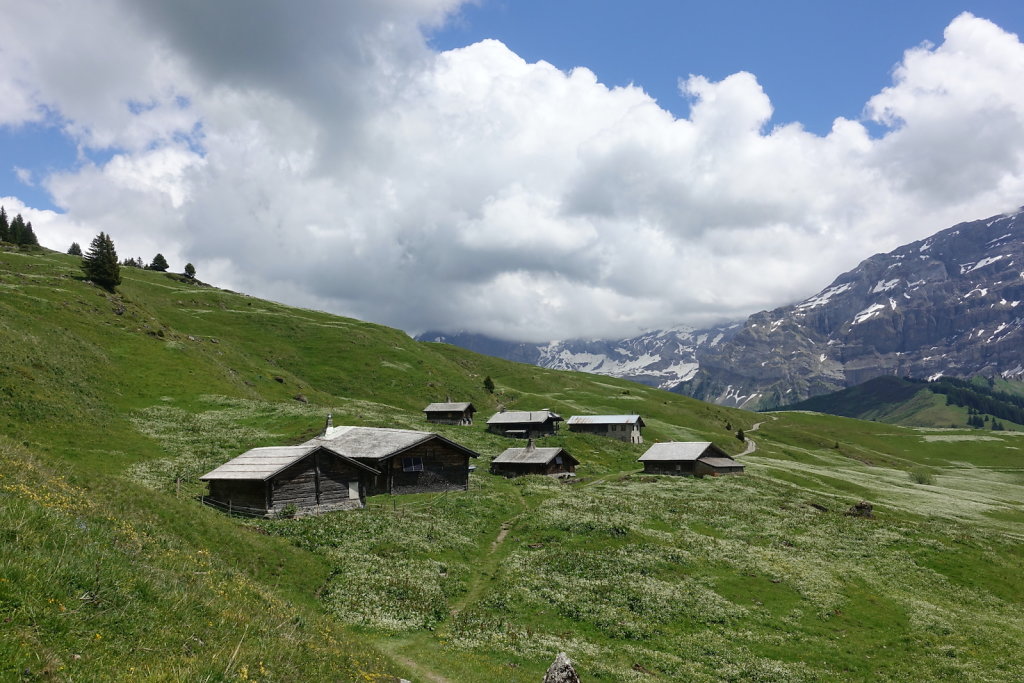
<point>524,424</point>
<point>515,462</point>
<point>688,458</point>
<point>313,478</point>
<point>622,427</point>
<point>407,461</point>
<point>450,413</point>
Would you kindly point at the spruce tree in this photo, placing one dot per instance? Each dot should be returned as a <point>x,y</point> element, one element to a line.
<point>28,236</point>
<point>100,263</point>
<point>190,271</point>
<point>17,227</point>
<point>489,384</point>
<point>75,249</point>
<point>5,226</point>
<point>159,263</point>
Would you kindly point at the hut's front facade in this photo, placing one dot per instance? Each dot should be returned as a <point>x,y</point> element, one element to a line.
<point>524,424</point>
<point>450,413</point>
<point>622,427</point>
<point>407,461</point>
<point>265,481</point>
<point>515,462</point>
<point>688,458</point>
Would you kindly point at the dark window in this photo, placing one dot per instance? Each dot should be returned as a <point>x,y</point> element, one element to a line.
<point>412,464</point>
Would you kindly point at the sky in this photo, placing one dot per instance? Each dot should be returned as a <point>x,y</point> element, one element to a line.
<point>527,169</point>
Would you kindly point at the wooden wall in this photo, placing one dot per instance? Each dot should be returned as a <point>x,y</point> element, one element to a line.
<point>532,430</point>
<point>681,468</point>
<point>250,496</point>
<point>444,469</point>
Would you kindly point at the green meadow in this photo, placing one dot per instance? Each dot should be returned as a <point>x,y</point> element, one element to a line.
<point>112,406</point>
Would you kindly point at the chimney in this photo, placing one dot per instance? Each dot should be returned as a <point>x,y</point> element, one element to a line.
<point>530,445</point>
<point>330,425</point>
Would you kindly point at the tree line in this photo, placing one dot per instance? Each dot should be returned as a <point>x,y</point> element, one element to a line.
<point>17,230</point>
<point>979,401</point>
<point>102,267</point>
<point>99,263</point>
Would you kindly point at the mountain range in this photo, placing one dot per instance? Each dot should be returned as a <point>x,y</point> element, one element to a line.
<point>948,305</point>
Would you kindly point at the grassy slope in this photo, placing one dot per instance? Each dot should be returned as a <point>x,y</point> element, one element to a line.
<point>897,401</point>
<point>113,405</point>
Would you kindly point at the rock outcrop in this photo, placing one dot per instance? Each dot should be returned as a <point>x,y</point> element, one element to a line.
<point>952,304</point>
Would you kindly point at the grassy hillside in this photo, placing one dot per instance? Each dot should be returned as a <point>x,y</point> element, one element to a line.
<point>111,406</point>
<point>947,402</point>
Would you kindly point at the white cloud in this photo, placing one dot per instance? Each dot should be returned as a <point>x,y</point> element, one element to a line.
<point>328,158</point>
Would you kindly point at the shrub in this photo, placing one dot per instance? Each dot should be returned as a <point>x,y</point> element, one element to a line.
<point>922,477</point>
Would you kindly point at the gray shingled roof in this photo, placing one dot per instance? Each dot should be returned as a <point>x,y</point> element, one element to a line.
<point>524,416</point>
<point>448,407</point>
<point>681,450</point>
<point>529,456</point>
<point>605,420</point>
<point>260,464</point>
<point>721,462</point>
<point>377,442</point>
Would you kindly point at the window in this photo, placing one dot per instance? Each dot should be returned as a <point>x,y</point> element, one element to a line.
<point>412,464</point>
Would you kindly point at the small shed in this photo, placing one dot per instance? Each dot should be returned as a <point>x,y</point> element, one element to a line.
<point>515,462</point>
<point>313,478</point>
<point>450,413</point>
<point>524,424</point>
<point>688,458</point>
<point>622,427</point>
<point>407,461</point>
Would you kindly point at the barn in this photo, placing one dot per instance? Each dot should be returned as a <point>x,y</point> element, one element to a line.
<point>524,424</point>
<point>264,481</point>
<point>515,462</point>
<point>407,461</point>
<point>622,427</point>
<point>688,458</point>
<point>450,413</point>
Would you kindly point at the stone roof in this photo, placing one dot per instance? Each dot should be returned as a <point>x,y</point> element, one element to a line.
<point>605,420</point>
<point>449,407</point>
<point>721,462</point>
<point>524,417</point>
<point>377,443</point>
<point>681,450</point>
<point>260,464</point>
<point>530,456</point>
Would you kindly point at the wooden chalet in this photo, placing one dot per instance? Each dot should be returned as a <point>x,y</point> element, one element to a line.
<point>450,413</point>
<point>688,458</point>
<point>515,462</point>
<point>622,427</point>
<point>524,424</point>
<point>312,477</point>
<point>406,461</point>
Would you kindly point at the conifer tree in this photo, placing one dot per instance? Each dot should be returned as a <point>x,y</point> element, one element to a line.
<point>159,263</point>
<point>489,384</point>
<point>190,271</point>
<point>28,236</point>
<point>100,262</point>
<point>75,249</point>
<point>5,226</point>
<point>17,227</point>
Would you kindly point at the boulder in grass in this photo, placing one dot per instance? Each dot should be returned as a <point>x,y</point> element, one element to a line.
<point>861,509</point>
<point>561,671</point>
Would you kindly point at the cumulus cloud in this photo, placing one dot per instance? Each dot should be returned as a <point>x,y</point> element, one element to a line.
<point>327,157</point>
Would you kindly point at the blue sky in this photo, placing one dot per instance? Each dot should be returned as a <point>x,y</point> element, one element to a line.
<point>413,161</point>
<point>817,60</point>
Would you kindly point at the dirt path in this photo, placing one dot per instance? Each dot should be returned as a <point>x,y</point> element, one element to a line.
<point>751,444</point>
